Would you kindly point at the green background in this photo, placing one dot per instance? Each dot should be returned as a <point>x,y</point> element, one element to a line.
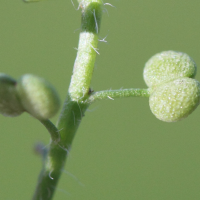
<point>121,151</point>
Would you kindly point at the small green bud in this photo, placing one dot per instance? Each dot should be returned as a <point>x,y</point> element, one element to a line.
<point>9,102</point>
<point>175,100</point>
<point>167,66</point>
<point>38,96</point>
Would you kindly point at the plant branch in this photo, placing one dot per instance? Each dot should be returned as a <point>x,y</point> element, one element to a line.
<point>74,106</point>
<point>54,162</point>
<point>110,94</point>
<point>54,132</point>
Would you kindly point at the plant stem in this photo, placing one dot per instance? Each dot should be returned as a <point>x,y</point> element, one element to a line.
<point>59,149</point>
<point>87,50</point>
<point>75,104</point>
<point>53,131</point>
<point>110,94</point>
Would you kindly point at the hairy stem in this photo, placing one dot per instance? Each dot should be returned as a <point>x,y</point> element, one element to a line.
<point>75,104</point>
<point>110,94</point>
<point>87,50</point>
<point>59,148</point>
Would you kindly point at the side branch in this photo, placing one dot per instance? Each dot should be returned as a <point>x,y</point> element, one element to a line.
<point>111,94</point>
<point>54,132</point>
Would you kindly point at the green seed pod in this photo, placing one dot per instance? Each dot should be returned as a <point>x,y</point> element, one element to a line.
<point>175,100</point>
<point>167,66</point>
<point>38,97</point>
<point>10,105</point>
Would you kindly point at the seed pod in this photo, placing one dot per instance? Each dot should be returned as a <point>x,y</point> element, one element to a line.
<point>10,104</point>
<point>38,96</point>
<point>175,100</point>
<point>167,66</point>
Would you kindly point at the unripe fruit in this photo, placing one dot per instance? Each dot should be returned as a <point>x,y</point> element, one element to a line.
<point>167,66</point>
<point>175,100</point>
<point>38,97</point>
<point>10,104</point>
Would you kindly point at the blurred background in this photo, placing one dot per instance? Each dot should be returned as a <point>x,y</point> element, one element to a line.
<point>121,151</point>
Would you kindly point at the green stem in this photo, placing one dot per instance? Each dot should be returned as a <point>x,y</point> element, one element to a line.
<point>87,50</point>
<point>75,104</point>
<point>111,94</point>
<point>53,131</point>
<point>54,163</point>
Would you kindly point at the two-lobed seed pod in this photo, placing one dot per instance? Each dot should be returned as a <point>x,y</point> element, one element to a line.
<point>31,94</point>
<point>38,97</point>
<point>10,104</point>
<point>175,94</point>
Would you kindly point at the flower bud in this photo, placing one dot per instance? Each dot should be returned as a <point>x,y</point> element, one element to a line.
<point>9,102</point>
<point>175,100</point>
<point>167,66</point>
<point>38,96</point>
